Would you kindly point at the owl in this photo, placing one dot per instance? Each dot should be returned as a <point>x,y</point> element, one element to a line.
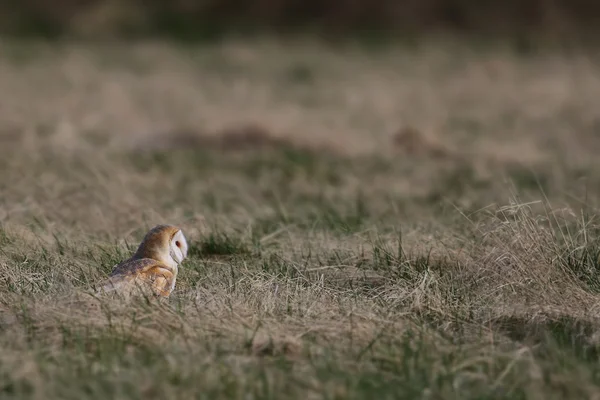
<point>154,266</point>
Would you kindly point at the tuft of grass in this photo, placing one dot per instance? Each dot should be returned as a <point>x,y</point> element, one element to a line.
<point>584,263</point>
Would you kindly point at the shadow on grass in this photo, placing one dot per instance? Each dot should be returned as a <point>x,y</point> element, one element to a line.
<point>567,333</point>
<point>218,244</point>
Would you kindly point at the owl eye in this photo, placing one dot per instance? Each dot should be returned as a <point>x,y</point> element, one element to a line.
<point>177,243</point>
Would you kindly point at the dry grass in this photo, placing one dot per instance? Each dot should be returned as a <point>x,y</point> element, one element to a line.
<point>406,223</point>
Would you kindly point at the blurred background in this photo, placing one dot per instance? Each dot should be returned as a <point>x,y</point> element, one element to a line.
<point>188,19</point>
<point>446,100</point>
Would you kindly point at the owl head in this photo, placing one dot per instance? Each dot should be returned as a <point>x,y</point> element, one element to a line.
<point>164,243</point>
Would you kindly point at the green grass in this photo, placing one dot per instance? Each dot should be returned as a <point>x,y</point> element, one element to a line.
<point>381,234</point>
<point>319,297</point>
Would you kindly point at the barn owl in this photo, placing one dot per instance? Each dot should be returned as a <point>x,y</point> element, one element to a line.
<point>154,265</point>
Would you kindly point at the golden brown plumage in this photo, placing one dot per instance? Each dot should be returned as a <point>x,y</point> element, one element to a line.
<point>154,266</point>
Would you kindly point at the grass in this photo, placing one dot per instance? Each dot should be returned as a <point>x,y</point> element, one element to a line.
<point>348,237</point>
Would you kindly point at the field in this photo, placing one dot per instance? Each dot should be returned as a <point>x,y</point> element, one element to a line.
<point>411,221</point>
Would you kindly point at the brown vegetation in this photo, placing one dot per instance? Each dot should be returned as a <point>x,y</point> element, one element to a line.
<point>238,138</point>
<point>333,254</point>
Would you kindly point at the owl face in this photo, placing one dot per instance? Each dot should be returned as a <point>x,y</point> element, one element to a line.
<point>164,243</point>
<point>178,247</point>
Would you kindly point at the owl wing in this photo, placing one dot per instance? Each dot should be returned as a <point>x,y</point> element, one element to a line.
<point>145,272</point>
<point>133,267</point>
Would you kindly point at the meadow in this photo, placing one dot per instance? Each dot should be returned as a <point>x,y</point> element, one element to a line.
<point>406,221</point>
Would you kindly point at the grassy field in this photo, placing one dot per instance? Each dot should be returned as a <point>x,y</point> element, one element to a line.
<point>405,222</point>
